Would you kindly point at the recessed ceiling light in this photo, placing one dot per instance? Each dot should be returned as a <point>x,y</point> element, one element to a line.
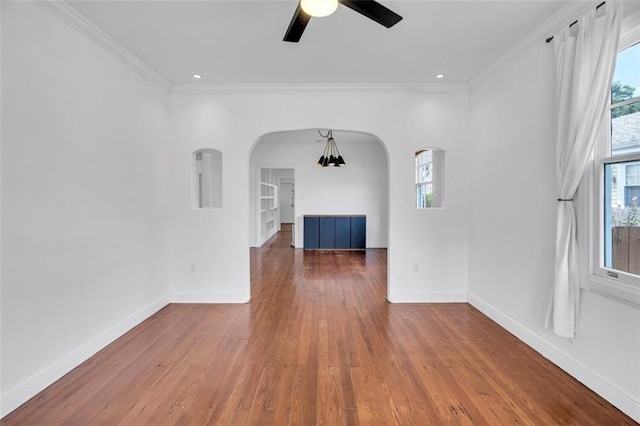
<point>197,76</point>
<point>439,76</point>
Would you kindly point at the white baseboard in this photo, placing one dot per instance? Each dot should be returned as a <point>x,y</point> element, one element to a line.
<point>18,396</point>
<point>209,297</point>
<point>377,244</point>
<point>427,297</point>
<point>626,403</point>
<point>592,380</point>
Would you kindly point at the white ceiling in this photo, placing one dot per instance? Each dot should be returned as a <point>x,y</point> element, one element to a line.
<point>241,41</point>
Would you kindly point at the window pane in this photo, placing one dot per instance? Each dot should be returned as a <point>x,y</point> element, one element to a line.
<point>424,173</point>
<point>626,78</point>
<point>625,110</point>
<point>429,174</point>
<point>423,157</point>
<point>621,217</point>
<point>425,195</point>
<point>420,196</point>
<point>625,129</point>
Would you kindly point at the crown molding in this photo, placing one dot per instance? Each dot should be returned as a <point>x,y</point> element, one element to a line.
<point>562,18</point>
<point>63,11</point>
<point>68,14</point>
<point>276,88</point>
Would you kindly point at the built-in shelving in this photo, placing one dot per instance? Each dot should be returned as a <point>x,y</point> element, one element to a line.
<point>268,207</point>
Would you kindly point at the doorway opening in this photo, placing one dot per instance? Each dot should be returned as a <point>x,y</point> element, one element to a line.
<point>286,163</point>
<point>275,203</point>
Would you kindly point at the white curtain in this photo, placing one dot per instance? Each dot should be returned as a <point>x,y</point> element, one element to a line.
<point>585,58</point>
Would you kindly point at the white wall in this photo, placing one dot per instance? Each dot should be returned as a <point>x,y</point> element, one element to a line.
<point>427,248</point>
<point>358,188</point>
<point>82,139</point>
<point>512,231</point>
<point>87,170</point>
<point>88,247</point>
<point>92,154</point>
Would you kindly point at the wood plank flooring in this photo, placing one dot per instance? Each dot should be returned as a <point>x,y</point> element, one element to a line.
<point>317,345</point>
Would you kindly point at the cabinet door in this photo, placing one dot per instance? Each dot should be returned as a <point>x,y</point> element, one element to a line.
<point>327,232</point>
<point>311,232</point>
<point>358,232</point>
<point>343,232</point>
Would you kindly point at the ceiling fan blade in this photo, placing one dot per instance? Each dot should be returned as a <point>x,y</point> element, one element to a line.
<point>297,25</point>
<point>374,10</point>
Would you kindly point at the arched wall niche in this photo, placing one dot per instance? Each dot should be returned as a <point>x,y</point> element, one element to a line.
<point>207,179</point>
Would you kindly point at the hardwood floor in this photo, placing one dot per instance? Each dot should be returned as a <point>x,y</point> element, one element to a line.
<point>317,345</point>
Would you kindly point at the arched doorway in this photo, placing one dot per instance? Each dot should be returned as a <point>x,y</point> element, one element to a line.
<point>361,187</point>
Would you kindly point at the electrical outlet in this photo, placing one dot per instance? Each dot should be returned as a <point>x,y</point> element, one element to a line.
<point>192,267</point>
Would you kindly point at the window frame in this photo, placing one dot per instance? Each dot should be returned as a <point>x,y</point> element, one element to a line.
<point>599,270</point>
<point>437,176</point>
<point>423,183</point>
<point>619,285</point>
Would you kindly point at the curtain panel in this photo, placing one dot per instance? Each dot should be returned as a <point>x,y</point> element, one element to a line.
<point>585,56</point>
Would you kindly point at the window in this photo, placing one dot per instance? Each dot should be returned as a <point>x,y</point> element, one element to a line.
<point>429,178</point>
<point>424,179</point>
<point>207,182</point>
<point>616,266</point>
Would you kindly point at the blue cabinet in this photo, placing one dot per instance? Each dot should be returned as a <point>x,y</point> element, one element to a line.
<point>358,232</point>
<point>311,232</point>
<point>327,232</point>
<point>335,232</point>
<point>343,233</point>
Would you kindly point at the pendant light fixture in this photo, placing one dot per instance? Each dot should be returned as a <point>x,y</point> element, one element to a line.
<point>331,156</point>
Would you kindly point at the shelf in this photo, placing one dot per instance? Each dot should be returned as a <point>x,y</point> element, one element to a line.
<point>268,204</point>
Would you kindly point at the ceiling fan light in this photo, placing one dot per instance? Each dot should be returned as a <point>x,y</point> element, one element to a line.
<point>341,161</point>
<point>319,8</point>
<point>321,161</point>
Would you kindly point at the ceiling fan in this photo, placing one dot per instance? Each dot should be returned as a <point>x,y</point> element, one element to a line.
<point>369,8</point>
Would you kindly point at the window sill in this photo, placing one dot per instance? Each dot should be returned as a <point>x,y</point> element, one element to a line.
<point>616,290</point>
